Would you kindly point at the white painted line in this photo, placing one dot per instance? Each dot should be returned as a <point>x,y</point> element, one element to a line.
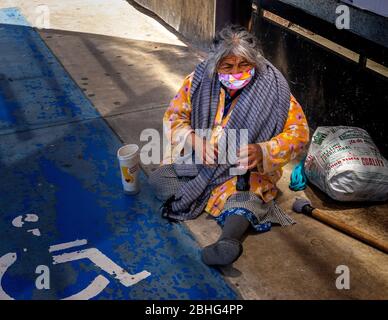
<point>102,261</point>
<point>19,221</point>
<point>67,245</point>
<point>6,261</point>
<point>35,232</point>
<point>31,218</point>
<point>93,289</point>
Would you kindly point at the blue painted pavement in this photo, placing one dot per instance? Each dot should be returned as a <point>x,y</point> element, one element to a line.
<point>58,162</point>
<point>35,91</point>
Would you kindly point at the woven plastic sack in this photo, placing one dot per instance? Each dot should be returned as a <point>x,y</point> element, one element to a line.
<point>345,164</point>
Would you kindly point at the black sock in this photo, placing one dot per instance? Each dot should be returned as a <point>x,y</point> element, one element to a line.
<point>234,227</point>
<point>228,247</point>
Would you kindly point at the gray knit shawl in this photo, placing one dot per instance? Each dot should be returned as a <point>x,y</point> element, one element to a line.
<point>262,108</point>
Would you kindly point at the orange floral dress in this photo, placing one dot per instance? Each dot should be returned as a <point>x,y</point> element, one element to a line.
<point>276,152</point>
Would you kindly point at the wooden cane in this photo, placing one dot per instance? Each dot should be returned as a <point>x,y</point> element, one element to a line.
<point>304,206</point>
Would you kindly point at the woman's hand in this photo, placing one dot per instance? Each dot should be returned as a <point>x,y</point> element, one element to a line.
<point>202,146</point>
<point>250,156</point>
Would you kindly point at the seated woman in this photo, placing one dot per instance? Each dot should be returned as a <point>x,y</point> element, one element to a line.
<point>234,88</point>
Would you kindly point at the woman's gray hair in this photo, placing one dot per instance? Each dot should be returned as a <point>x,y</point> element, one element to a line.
<point>238,41</point>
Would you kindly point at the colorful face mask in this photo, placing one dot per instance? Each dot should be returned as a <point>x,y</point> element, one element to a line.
<point>236,81</point>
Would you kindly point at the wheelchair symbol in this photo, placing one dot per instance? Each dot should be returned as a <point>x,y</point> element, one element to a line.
<point>94,255</point>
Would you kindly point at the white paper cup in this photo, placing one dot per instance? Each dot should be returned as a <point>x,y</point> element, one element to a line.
<point>129,159</point>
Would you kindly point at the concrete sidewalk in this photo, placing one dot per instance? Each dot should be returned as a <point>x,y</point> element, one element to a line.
<point>130,66</point>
